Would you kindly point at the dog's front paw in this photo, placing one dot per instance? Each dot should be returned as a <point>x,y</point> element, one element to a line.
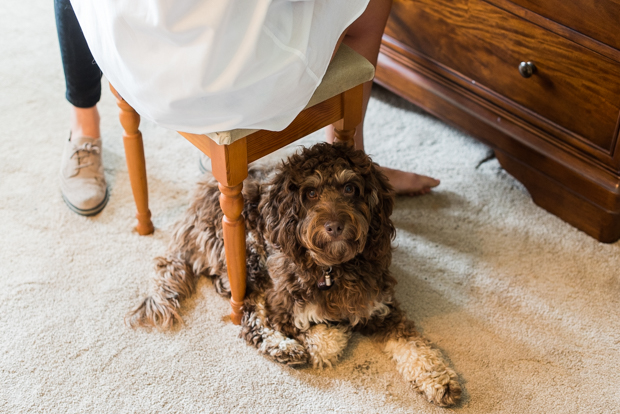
<point>426,370</point>
<point>287,351</point>
<point>281,348</point>
<point>325,344</point>
<point>257,332</point>
<point>440,387</point>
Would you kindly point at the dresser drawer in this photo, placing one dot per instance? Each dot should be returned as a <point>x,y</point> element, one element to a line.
<point>598,19</point>
<point>574,89</point>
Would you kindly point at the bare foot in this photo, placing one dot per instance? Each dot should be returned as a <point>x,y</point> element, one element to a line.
<point>407,183</point>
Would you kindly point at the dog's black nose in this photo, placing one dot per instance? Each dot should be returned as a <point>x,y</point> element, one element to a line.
<point>334,228</point>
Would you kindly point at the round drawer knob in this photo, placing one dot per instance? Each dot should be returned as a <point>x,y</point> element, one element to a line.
<point>527,69</point>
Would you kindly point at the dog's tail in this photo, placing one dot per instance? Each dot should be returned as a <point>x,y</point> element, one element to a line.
<point>175,281</point>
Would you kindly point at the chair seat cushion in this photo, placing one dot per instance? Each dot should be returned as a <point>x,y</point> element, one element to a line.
<point>346,70</point>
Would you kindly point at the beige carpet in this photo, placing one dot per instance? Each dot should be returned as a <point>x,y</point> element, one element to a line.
<point>523,305</point>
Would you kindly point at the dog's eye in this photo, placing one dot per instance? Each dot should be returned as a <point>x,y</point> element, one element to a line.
<point>349,189</point>
<point>312,194</point>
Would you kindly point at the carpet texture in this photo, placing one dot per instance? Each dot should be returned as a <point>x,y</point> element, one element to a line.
<point>523,305</point>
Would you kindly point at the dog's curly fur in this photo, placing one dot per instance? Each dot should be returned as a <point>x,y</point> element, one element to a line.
<point>326,207</point>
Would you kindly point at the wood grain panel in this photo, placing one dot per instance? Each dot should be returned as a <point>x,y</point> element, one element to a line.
<point>598,19</point>
<point>559,29</point>
<point>574,88</point>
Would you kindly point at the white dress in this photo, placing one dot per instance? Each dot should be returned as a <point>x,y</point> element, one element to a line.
<point>214,65</point>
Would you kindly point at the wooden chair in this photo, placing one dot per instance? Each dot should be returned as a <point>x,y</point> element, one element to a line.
<point>337,100</point>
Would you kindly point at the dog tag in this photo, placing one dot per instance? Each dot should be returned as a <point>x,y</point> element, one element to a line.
<point>322,285</point>
<point>325,282</point>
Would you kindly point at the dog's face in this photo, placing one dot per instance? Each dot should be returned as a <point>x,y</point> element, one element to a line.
<point>327,204</point>
<point>335,214</point>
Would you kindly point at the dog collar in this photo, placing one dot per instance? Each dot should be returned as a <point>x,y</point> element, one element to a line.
<point>325,282</point>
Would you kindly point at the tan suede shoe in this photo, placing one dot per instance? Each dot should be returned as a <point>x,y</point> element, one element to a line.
<point>82,181</point>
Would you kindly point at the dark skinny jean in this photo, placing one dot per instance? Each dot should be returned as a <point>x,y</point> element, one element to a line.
<point>82,75</point>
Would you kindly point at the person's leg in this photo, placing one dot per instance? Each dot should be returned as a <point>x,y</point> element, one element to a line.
<point>82,75</point>
<point>364,36</point>
<point>82,179</point>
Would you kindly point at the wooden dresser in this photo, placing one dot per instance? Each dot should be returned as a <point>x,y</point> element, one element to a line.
<point>538,80</point>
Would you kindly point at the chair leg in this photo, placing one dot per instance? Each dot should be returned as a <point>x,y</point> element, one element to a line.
<point>134,154</point>
<point>230,168</point>
<point>231,201</point>
<point>352,102</point>
<point>345,135</point>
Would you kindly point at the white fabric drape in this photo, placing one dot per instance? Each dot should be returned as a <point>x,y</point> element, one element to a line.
<point>215,65</point>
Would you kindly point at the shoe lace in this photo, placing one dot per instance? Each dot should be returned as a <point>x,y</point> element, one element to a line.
<point>83,154</point>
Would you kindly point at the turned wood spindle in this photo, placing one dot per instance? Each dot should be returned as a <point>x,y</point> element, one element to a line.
<point>231,202</point>
<point>345,135</point>
<point>344,130</point>
<point>134,154</point>
<point>230,167</point>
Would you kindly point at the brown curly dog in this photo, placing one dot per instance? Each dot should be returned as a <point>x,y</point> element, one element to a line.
<point>318,263</point>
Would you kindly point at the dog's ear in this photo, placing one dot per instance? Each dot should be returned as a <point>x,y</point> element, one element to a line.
<point>381,202</point>
<point>281,210</point>
<point>380,199</point>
